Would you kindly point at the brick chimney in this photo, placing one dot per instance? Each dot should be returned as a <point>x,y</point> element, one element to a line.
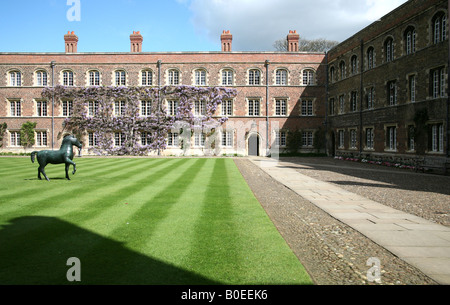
<point>292,40</point>
<point>136,42</point>
<point>71,41</point>
<point>226,38</point>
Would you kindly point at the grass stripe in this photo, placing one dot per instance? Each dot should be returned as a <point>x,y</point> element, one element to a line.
<point>52,195</point>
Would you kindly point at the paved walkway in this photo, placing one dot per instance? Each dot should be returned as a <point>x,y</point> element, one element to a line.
<point>419,242</point>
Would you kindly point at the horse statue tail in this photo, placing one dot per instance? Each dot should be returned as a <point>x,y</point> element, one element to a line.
<point>33,154</point>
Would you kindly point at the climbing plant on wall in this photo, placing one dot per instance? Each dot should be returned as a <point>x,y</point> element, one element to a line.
<point>110,111</point>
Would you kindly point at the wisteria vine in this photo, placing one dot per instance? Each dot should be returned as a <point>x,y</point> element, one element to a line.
<point>156,125</point>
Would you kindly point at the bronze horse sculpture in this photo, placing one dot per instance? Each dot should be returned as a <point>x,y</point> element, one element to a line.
<point>63,155</point>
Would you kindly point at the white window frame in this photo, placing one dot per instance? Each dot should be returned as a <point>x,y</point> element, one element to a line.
<point>41,138</point>
<point>68,79</point>
<point>15,108</point>
<point>146,108</point>
<point>120,78</point>
<point>281,77</point>
<point>308,76</point>
<point>227,138</point>
<point>41,108</point>
<point>173,139</point>
<point>67,108</point>
<point>146,77</point>
<point>119,108</point>
<point>227,108</point>
<point>200,77</point>
<point>254,77</point>
<point>172,107</point>
<point>280,107</point>
<point>173,77</point>
<point>15,78</point>
<point>227,77</point>
<point>41,78</point>
<point>254,107</point>
<point>307,108</point>
<point>14,137</point>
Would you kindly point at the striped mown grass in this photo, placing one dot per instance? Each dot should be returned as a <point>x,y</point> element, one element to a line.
<point>139,221</point>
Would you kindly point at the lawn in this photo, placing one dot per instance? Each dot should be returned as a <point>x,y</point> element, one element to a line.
<point>139,221</point>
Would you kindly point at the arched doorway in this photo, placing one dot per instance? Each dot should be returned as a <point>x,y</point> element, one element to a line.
<point>253,145</point>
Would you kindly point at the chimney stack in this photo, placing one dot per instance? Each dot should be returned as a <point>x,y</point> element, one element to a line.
<point>136,42</point>
<point>71,41</point>
<point>226,38</point>
<point>292,40</point>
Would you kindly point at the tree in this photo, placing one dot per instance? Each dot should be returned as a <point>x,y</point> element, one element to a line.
<point>27,134</point>
<point>305,45</point>
<point>117,123</point>
<point>3,128</point>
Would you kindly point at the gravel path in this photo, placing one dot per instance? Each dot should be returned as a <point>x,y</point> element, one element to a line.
<point>332,252</point>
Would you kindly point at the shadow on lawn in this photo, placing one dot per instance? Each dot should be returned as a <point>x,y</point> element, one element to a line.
<point>35,250</point>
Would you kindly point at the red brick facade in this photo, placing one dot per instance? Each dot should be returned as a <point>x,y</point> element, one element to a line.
<point>287,84</point>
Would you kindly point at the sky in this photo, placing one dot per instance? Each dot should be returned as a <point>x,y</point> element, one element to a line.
<point>179,25</point>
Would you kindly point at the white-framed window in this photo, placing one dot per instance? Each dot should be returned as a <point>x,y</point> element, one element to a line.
<point>370,98</point>
<point>147,78</point>
<point>353,138</point>
<point>280,138</point>
<point>14,138</point>
<point>94,78</point>
<point>307,108</point>
<point>173,139</point>
<point>199,139</point>
<point>437,138</point>
<point>120,78</point>
<point>391,138</point>
<point>41,78</point>
<point>67,78</point>
<point>389,49</point>
<point>281,77</point>
<point>280,107</point>
<point>172,107</point>
<point>119,108</point>
<point>93,139</point>
<point>392,93</point>
<point>308,77</point>
<point>67,108</point>
<point>173,77</point>
<point>254,77</point>
<point>199,108</point>
<point>341,104</point>
<point>41,108</point>
<point>146,138</point>
<point>254,107</point>
<point>227,77</point>
<point>412,88</point>
<point>438,82</point>
<point>307,138</point>
<point>200,77</point>
<point>369,138</point>
<point>332,74</point>
<point>93,108</point>
<point>119,139</point>
<point>370,58</point>
<point>341,139</point>
<point>227,138</point>
<point>439,27</point>
<point>227,107</point>
<point>41,138</point>
<point>342,70</point>
<point>353,101</point>
<point>15,78</point>
<point>411,138</point>
<point>354,64</point>
<point>410,40</point>
<point>146,108</point>
<point>15,108</point>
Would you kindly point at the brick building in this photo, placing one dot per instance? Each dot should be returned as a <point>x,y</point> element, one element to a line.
<point>380,94</point>
<point>277,91</point>
<point>388,86</point>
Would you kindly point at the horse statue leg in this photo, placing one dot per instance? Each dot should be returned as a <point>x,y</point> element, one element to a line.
<point>68,163</point>
<point>41,170</point>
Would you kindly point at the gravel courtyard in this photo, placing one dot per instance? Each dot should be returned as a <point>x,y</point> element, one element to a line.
<point>332,252</point>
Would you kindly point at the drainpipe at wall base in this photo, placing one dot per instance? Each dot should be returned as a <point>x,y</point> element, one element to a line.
<point>52,64</point>
<point>266,64</point>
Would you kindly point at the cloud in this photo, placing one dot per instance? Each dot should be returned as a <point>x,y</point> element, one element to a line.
<point>256,24</point>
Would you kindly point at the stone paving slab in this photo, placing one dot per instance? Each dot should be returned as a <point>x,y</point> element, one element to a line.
<point>417,241</point>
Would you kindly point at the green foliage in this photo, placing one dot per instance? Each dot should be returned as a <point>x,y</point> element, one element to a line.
<point>3,128</point>
<point>27,134</point>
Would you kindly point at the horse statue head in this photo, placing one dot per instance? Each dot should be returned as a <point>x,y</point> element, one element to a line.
<point>71,139</point>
